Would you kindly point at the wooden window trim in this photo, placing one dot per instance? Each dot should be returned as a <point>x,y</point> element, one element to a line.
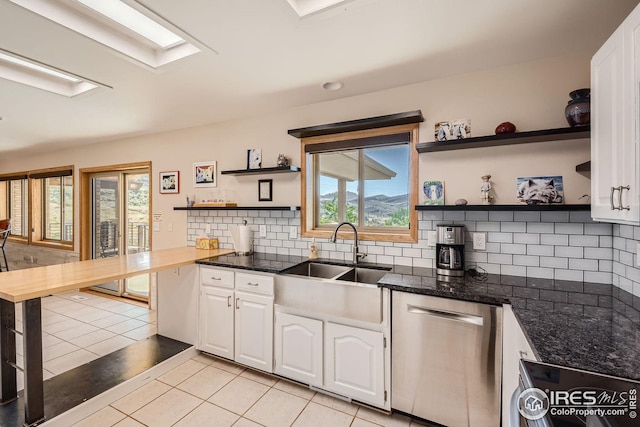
<point>306,227</point>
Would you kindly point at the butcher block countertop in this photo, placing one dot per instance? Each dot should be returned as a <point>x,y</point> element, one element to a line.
<point>20,285</point>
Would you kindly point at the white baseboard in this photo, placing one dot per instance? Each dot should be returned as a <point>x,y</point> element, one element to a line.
<point>102,400</point>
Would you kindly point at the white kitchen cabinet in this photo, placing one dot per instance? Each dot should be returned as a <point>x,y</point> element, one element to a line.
<point>354,363</point>
<point>254,331</point>
<point>615,93</point>
<point>298,348</point>
<point>216,322</point>
<point>515,346</point>
<point>235,317</point>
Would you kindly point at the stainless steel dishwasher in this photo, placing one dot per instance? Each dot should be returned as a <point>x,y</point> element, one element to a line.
<point>446,360</point>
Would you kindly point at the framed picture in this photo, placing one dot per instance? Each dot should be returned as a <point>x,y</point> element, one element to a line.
<point>204,174</point>
<point>254,158</point>
<point>453,129</point>
<point>540,190</point>
<point>265,190</point>
<point>170,182</point>
<point>433,192</point>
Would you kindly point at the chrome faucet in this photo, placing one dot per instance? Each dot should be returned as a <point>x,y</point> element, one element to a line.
<point>356,255</point>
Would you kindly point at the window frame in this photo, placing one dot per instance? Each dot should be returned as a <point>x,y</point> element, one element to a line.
<point>309,202</point>
<point>36,205</point>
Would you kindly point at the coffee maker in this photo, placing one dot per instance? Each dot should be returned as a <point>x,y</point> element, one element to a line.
<point>450,250</point>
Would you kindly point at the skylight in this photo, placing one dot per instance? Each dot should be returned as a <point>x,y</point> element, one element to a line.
<point>30,72</point>
<point>307,7</point>
<point>123,25</point>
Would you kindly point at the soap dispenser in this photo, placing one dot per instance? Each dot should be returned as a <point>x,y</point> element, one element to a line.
<point>313,250</point>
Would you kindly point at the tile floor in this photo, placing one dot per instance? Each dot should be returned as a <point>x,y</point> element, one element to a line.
<point>206,391</point>
<point>78,327</point>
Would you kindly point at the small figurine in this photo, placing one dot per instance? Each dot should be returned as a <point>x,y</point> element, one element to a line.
<point>282,161</point>
<point>485,190</point>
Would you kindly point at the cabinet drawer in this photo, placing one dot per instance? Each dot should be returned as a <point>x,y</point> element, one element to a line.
<point>216,277</point>
<point>255,283</point>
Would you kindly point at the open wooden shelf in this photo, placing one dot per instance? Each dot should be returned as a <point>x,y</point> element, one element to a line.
<point>236,208</point>
<point>554,207</point>
<point>545,135</point>
<point>262,171</point>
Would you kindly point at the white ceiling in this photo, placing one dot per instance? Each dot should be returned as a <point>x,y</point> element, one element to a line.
<point>268,58</point>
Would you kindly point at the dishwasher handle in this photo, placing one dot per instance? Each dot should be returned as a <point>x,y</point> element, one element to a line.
<point>447,315</point>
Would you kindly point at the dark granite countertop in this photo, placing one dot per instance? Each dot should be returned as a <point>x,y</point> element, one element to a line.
<point>590,326</point>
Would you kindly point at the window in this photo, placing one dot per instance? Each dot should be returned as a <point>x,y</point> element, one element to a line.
<point>40,201</point>
<point>368,178</point>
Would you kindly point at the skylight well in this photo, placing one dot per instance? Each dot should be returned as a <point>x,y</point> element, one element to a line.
<point>30,72</point>
<point>307,7</point>
<point>123,25</point>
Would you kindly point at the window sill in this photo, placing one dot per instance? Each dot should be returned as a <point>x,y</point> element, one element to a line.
<point>363,236</point>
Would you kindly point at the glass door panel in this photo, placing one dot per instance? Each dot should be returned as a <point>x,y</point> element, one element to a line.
<point>137,228</point>
<point>106,222</point>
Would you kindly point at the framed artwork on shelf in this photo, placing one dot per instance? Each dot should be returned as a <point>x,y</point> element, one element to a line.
<point>540,190</point>
<point>265,190</point>
<point>433,192</point>
<point>254,158</point>
<point>170,182</point>
<point>204,174</point>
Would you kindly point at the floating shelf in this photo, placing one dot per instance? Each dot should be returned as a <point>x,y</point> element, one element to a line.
<point>361,124</point>
<point>261,171</point>
<point>545,135</point>
<point>237,208</point>
<point>555,207</point>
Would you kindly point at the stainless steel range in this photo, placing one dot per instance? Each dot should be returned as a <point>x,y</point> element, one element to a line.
<point>556,396</point>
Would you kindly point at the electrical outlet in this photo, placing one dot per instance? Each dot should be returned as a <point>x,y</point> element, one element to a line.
<point>207,228</point>
<point>479,241</point>
<point>293,232</point>
<point>431,238</point>
<point>263,230</point>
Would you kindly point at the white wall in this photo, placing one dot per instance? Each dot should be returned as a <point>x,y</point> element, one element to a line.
<point>531,95</point>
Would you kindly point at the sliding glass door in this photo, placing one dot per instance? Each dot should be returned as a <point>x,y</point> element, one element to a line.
<point>120,224</point>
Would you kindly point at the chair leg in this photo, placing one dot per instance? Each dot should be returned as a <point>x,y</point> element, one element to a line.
<point>6,263</point>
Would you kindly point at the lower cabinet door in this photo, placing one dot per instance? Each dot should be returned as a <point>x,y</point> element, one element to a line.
<point>354,363</point>
<point>254,331</point>
<point>298,348</point>
<point>215,326</point>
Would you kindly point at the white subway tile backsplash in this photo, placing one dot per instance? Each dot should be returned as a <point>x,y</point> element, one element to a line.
<point>526,216</point>
<point>580,240</point>
<point>560,245</point>
<point>540,227</point>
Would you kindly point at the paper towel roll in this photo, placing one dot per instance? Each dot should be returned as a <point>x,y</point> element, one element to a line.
<point>241,235</point>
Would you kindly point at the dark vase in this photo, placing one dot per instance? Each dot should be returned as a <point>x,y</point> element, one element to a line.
<point>578,110</point>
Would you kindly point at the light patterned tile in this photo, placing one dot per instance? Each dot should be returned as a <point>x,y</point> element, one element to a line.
<point>205,414</point>
<point>142,332</point>
<point>393,420</point>
<point>111,320</point>
<point>69,361</point>
<point>69,334</point>
<point>288,408</point>
<point>227,366</point>
<point>57,350</point>
<point>259,377</point>
<point>206,382</point>
<point>127,325</point>
<point>61,326</point>
<point>167,409</point>
<point>92,338</point>
<point>359,422</point>
<point>106,417</point>
<point>110,345</point>
<point>140,397</point>
<point>136,312</point>
<point>332,402</point>
<point>203,358</point>
<point>296,389</point>
<point>129,422</point>
<point>181,373</point>
<point>315,415</point>
<point>239,395</point>
<point>243,422</point>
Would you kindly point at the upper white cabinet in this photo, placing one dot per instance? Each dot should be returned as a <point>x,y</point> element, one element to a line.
<point>615,93</point>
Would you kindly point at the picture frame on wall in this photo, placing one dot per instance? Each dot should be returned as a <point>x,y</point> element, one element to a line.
<point>170,182</point>
<point>204,174</point>
<point>433,193</point>
<point>540,190</point>
<point>265,190</point>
